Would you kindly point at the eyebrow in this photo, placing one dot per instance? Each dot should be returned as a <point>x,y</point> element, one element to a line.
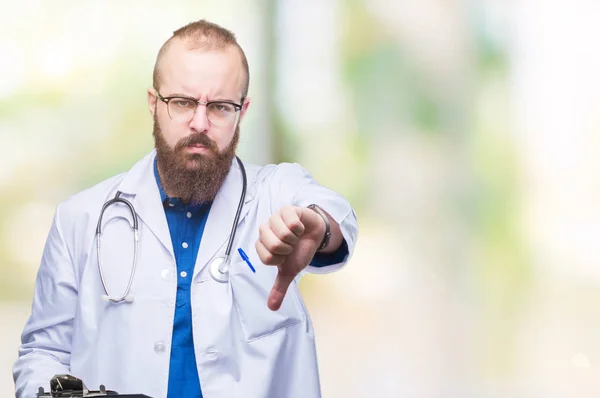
<point>180,95</point>
<point>223,100</point>
<point>218,99</point>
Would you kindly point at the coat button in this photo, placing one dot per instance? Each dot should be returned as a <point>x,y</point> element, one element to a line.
<point>165,274</point>
<point>159,346</point>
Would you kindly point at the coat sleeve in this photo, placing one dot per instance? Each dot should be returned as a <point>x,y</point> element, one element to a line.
<point>46,339</point>
<point>293,185</point>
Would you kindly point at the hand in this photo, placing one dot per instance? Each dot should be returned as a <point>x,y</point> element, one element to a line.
<point>289,241</point>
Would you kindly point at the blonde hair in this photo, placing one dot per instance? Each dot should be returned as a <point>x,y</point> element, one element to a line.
<point>206,36</point>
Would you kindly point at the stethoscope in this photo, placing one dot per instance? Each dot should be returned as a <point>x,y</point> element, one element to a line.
<point>219,267</point>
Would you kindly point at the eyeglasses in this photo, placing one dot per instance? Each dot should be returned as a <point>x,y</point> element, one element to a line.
<point>183,109</point>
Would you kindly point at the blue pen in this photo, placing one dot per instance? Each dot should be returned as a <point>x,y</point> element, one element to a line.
<point>246,259</point>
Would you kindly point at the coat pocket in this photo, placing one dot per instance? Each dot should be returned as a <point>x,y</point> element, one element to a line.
<point>250,293</point>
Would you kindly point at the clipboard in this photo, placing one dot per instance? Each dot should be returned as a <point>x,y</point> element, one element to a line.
<point>68,386</point>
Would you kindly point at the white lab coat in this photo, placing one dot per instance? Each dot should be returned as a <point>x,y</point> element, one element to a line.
<point>242,348</point>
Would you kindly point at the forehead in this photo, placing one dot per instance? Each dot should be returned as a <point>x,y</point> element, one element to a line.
<point>201,73</point>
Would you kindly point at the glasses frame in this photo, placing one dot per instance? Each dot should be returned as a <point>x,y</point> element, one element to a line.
<point>166,100</point>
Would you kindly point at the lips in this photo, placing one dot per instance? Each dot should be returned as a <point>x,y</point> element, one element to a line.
<point>197,142</point>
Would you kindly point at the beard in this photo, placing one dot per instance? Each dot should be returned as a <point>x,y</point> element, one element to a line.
<point>193,177</point>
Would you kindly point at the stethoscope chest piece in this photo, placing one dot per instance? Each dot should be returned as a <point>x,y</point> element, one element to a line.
<point>219,270</point>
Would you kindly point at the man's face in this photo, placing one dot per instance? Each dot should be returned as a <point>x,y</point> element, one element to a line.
<point>198,148</point>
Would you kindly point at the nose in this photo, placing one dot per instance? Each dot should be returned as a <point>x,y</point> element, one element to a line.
<point>200,121</point>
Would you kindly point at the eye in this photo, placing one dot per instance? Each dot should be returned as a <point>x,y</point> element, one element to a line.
<point>222,107</point>
<point>182,103</point>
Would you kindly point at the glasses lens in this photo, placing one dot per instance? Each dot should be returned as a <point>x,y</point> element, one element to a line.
<point>181,109</point>
<point>220,113</point>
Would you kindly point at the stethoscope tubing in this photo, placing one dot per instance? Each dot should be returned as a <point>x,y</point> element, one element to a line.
<point>237,216</point>
<point>223,268</point>
<point>135,226</point>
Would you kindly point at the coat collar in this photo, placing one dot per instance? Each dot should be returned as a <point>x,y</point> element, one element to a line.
<point>140,187</point>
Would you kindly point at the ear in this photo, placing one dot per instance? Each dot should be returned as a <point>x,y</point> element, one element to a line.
<point>245,106</point>
<point>152,100</point>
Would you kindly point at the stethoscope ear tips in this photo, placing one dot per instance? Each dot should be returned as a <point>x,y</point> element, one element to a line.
<point>129,298</point>
<point>104,298</point>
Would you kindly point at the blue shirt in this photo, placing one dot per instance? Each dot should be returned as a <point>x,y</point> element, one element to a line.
<point>186,226</point>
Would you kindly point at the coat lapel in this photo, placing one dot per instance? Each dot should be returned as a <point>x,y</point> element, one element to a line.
<point>140,184</point>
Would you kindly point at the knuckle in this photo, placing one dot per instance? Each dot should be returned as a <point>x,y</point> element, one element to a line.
<point>278,248</point>
<point>287,209</point>
<point>272,259</point>
<point>271,247</point>
<point>296,224</point>
<point>276,215</point>
<point>267,256</point>
<point>286,235</point>
<point>263,228</point>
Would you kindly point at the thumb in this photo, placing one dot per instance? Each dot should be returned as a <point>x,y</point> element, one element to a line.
<point>280,287</point>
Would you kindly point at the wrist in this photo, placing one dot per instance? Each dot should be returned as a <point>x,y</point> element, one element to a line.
<point>327,234</point>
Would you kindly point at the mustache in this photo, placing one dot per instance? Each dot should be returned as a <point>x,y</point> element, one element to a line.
<point>197,139</point>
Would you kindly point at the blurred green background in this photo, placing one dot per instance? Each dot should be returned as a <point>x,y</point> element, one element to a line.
<point>465,134</point>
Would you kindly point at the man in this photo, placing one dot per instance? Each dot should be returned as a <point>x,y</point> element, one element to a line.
<point>184,328</point>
